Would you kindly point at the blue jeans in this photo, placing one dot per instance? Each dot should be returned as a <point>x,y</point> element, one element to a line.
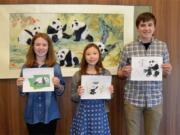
<point>151,116</point>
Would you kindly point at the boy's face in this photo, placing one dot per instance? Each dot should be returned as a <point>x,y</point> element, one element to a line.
<point>146,30</point>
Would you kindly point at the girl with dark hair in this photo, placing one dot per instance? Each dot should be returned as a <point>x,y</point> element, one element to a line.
<point>91,115</point>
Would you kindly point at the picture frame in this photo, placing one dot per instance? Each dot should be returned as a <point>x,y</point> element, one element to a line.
<point>108,24</point>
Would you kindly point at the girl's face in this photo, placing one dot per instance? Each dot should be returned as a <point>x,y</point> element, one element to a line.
<point>40,47</point>
<point>146,30</point>
<point>92,56</point>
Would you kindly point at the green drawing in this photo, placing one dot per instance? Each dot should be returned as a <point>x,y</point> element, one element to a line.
<point>39,81</point>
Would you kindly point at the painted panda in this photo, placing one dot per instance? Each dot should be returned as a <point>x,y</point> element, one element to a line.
<point>105,49</point>
<point>26,35</point>
<point>66,57</point>
<point>80,31</point>
<point>101,47</point>
<point>56,31</point>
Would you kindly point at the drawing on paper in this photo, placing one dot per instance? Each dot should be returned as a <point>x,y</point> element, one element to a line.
<point>96,87</point>
<point>39,81</point>
<point>146,68</point>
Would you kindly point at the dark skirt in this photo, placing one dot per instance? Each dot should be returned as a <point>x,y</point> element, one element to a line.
<point>91,119</point>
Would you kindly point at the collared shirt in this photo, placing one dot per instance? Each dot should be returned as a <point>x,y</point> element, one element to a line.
<point>144,93</point>
<point>43,106</point>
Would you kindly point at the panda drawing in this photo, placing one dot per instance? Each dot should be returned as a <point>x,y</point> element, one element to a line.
<point>26,35</point>
<point>94,88</point>
<point>56,31</point>
<point>66,57</point>
<point>42,80</point>
<point>153,69</point>
<point>80,31</point>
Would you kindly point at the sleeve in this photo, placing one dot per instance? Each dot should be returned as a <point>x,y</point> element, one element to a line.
<point>20,88</point>
<point>123,58</point>
<point>107,72</point>
<point>165,54</point>
<point>57,73</point>
<point>75,81</point>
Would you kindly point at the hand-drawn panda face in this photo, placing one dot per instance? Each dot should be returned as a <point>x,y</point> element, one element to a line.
<point>27,34</point>
<point>151,63</point>
<point>153,69</point>
<point>94,88</point>
<point>76,25</point>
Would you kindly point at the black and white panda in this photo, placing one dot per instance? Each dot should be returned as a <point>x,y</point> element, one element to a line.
<point>26,35</point>
<point>66,57</point>
<point>101,47</point>
<point>56,30</point>
<point>94,88</point>
<point>152,69</point>
<point>105,49</point>
<point>80,31</point>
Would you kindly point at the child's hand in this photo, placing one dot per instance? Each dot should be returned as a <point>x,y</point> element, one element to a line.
<point>80,90</point>
<point>111,89</point>
<point>126,71</point>
<point>19,81</point>
<point>56,81</point>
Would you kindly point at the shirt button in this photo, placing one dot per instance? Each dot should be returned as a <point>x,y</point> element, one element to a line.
<point>40,105</point>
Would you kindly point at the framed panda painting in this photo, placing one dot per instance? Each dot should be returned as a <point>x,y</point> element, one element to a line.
<point>71,28</point>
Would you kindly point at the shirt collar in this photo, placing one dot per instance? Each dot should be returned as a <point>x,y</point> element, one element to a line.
<point>139,40</point>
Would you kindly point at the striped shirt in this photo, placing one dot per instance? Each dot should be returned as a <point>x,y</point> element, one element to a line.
<point>143,93</point>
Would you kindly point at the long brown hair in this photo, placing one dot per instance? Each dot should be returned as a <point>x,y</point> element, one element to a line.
<point>84,64</point>
<point>31,56</point>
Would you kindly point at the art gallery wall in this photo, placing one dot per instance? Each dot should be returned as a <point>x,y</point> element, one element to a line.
<point>168,20</point>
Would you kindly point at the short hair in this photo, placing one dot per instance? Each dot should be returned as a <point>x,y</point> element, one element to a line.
<point>144,17</point>
<point>31,56</point>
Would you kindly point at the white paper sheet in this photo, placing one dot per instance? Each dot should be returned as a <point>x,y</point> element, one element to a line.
<point>96,86</point>
<point>146,69</point>
<point>38,79</point>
